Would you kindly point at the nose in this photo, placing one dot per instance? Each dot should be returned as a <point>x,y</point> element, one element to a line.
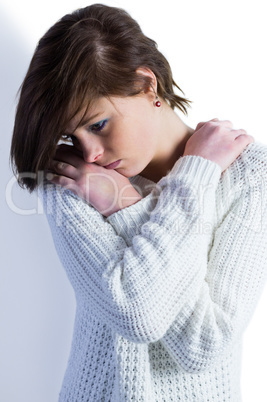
<point>92,150</point>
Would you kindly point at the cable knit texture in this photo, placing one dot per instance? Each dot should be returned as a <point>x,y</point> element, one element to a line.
<point>166,287</point>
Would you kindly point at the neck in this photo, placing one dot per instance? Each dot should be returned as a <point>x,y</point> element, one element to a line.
<point>173,134</point>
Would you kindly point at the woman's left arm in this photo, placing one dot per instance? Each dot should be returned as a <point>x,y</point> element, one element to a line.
<point>236,275</point>
<point>237,266</point>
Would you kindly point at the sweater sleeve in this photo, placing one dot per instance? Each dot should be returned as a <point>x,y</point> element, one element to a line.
<point>236,274</point>
<point>219,311</point>
<point>138,290</point>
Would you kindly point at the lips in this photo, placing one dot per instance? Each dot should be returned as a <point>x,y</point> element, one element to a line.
<point>113,165</point>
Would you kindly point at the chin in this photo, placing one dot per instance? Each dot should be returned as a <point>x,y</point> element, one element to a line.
<point>129,172</point>
<point>122,173</point>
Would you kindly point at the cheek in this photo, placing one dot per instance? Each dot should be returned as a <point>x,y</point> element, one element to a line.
<point>134,137</point>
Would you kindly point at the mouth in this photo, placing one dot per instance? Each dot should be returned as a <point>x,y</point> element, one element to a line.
<point>113,165</point>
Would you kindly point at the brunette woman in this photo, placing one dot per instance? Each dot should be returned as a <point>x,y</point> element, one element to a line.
<point>161,228</point>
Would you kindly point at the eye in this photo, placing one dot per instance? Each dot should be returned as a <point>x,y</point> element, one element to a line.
<point>99,125</point>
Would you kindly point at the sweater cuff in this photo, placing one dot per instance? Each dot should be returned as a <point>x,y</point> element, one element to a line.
<point>194,170</point>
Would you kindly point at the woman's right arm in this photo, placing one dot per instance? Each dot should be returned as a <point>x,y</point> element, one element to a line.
<point>138,290</point>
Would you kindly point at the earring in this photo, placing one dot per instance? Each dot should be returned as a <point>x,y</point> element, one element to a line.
<point>157,102</point>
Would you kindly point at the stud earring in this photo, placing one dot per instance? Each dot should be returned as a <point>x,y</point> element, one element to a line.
<point>157,102</point>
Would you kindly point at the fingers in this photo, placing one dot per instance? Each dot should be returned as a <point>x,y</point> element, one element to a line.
<point>67,162</point>
<point>69,154</point>
<point>63,181</point>
<point>64,169</point>
<point>246,138</point>
<point>201,124</point>
<point>236,133</point>
<point>225,123</point>
<point>240,131</point>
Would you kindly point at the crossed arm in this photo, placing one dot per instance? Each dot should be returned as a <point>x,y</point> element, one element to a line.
<point>162,284</point>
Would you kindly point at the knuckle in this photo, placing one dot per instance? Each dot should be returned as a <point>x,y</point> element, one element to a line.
<point>244,139</point>
<point>200,124</point>
<point>240,137</point>
<point>61,165</point>
<point>215,129</point>
<point>242,131</point>
<point>212,123</point>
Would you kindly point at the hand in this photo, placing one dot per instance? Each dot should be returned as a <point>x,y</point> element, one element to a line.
<point>217,141</point>
<point>105,189</point>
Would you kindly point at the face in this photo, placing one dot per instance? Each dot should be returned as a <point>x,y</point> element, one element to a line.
<point>120,133</point>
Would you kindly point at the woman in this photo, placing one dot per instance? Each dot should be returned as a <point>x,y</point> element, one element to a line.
<point>161,228</point>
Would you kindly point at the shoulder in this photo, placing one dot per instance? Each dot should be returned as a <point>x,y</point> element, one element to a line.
<point>244,183</point>
<point>245,175</point>
<point>254,157</point>
<point>250,167</point>
<point>241,195</point>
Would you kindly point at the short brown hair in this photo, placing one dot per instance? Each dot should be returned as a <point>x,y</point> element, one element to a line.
<point>91,53</point>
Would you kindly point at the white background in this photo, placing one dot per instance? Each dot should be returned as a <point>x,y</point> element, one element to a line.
<point>217,51</point>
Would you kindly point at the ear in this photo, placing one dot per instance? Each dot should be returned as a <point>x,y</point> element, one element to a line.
<point>149,73</point>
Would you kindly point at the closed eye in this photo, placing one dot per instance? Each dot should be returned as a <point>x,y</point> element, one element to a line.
<point>98,126</point>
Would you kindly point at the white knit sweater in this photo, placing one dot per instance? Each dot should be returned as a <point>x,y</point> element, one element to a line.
<point>165,287</point>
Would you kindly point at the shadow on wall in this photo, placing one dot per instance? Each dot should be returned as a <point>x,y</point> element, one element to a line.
<point>37,304</point>
<point>13,66</point>
<point>15,59</point>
